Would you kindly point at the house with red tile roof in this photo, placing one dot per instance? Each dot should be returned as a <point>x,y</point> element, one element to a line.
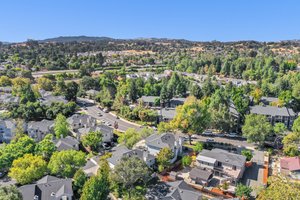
<point>290,167</point>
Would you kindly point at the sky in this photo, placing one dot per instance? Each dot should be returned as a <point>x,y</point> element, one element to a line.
<point>197,20</point>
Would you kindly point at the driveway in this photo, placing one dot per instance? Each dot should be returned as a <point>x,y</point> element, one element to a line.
<point>253,176</point>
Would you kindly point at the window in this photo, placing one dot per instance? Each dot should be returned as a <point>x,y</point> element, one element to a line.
<point>234,167</point>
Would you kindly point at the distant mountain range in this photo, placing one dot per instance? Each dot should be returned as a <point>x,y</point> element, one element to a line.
<point>76,38</point>
<point>97,39</point>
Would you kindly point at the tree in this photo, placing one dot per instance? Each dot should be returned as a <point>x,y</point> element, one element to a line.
<point>257,94</point>
<point>92,140</point>
<point>45,84</point>
<point>10,192</point>
<point>291,143</point>
<point>243,191</point>
<point>198,147</point>
<point>71,91</point>
<point>66,163</point>
<point>296,125</point>
<point>186,161</point>
<point>163,158</point>
<point>280,187</point>
<point>164,127</point>
<point>279,128</point>
<point>16,149</point>
<point>256,128</point>
<point>61,126</point>
<point>192,117</point>
<point>97,187</point>
<point>5,81</point>
<point>131,171</point>
<point>46,147</point>
<point>28,169</point>
<point>247,154</point>
<point>130,137</point>
<point>79,180</point>
<point>196,91</point>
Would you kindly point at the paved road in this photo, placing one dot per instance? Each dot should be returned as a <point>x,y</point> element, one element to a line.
<point>93,110</point>
<point>233,141</point>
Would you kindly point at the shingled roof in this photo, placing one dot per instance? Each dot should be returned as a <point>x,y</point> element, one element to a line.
<point>47,188</point>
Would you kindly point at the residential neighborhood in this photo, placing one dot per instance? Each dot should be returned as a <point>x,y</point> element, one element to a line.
<point>195,100</point>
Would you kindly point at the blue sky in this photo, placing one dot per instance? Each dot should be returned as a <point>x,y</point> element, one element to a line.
<point>200,20</point>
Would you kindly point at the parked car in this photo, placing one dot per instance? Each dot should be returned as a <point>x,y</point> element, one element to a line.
<point>207,133</point>
<point>210,140</point>
<point>194,136</point>
<point>100,114</point>
<point>232,135</point>
<point>105,110</point>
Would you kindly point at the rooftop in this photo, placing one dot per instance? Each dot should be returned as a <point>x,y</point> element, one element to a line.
<point>291,164</point>
<point>272,110</point>
<point>223,156</point>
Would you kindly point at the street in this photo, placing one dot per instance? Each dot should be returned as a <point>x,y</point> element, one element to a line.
<point>93,110</point>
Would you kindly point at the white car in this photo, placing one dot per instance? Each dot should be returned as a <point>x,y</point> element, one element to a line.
<point>232,135</point>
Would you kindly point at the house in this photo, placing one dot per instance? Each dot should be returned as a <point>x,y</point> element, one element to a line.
<point>91,94</point>
<point>155,142</point>
<point>8,98</point>
<point>275,114</point>
<point>174,102</point>
<point>166,114</point>
<point>222,163</point>
<point>290,167</point>
<point>47,98</point>
<point>269,100</point>
<point>7,130</point>
<point>78,121</point>
<point>120,151</point>
<point>149,100</point>
<point>67,143</point>
<point>48,188</point>
<point>92,165</point>
<point>38,130</point>
<point>200,176</point>
<point>107,132</point>
<point>180,190</point>
<point>6,89</point>
<point>50,99</point>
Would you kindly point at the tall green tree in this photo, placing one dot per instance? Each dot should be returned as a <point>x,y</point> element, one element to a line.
<point>192,117</point>
<point>10,192</point>
<point>61,126</point>
<point>163,158</point>
<point>66,163</point>
<point>92,140</point>
<point>256,128</point>
<point>28,169</point>
<point>71,91</point>
<point>46,147</point>
<point>243,191</point>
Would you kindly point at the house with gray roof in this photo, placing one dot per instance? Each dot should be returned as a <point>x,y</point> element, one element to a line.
<point>6,89</point>
<point>92,165</point>
<point>91,94</point>
<point>149,100</point>
<point>39,129</point>
<point>275,114</point>
<point>107,132</point>
<point>78,121</point>
<point>180,190</point>
<point>7,98</point>
<point>48,188</point>
<point>155,142</point>
<point>166,114</point>
<point>120,151</point>
<point>200,176</point>
<point>176,101</point>
<point>229,166</point>
<point>7,130</point>
<point>67,143</point>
